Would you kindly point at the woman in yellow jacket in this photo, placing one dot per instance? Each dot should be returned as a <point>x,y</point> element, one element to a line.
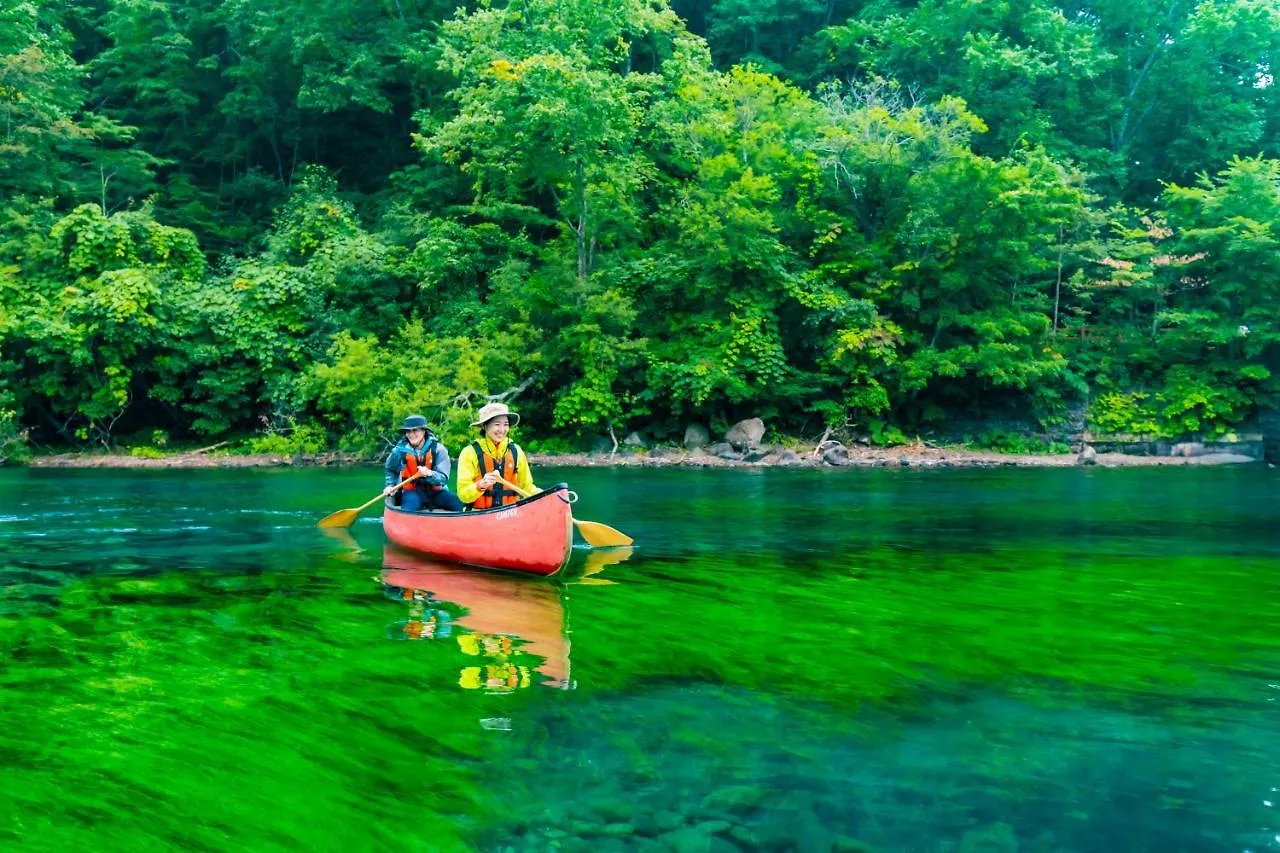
<point>491,458</point>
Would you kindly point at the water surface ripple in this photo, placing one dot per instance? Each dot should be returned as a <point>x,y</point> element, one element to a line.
<point>994,660</point>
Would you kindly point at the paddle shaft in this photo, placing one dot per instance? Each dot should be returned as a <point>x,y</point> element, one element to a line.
<point>400,485</point>
<point>513,487</point>
<point>344,517</point>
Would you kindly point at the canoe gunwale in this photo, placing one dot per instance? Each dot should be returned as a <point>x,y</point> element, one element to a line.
<point>557,489</point>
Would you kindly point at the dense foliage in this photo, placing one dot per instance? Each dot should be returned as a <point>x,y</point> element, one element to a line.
<point>260,216</point>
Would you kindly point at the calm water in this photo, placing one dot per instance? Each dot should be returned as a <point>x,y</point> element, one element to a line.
<point>971,661</point>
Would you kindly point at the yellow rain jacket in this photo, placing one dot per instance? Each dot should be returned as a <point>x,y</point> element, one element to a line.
<point>470,471</point>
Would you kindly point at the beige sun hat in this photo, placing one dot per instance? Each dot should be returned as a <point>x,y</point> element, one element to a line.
<point>489,411</point>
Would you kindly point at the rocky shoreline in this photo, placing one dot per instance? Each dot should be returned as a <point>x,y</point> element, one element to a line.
<point>906,456</point>
<point>743,446</point>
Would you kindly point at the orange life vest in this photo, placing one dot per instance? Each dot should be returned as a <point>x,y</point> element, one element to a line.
<point>413,466</point>
<point>498,494</point>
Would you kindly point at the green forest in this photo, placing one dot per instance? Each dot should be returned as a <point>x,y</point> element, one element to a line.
<point>290,224</point>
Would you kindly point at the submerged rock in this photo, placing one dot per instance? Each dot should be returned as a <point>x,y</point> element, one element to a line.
<point>640,844</point>
<point>734,799</point>
<point>618,830</point>
<point>693,839</point>
<point>996,838</point>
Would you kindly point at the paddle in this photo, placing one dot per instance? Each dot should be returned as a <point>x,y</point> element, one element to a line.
<point>344,517</point>
<point>597,535</point>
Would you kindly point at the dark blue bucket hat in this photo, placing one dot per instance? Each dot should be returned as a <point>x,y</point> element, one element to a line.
<point>414,422</point>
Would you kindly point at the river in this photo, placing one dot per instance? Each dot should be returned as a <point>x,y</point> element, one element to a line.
<point>985,660</point>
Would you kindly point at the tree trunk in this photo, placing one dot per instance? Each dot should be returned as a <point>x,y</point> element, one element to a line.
<point>581,226</point>
<point>1057,285</point>
<point>1128,125</point>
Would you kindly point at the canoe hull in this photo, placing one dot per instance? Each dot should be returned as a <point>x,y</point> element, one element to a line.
<point>534,536</point>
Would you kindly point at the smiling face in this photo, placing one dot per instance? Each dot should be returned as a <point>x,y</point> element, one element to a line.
<point>496,429</point>
<point>415,436</point>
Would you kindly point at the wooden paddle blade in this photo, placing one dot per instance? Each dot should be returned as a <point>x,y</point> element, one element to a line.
<point>599,535</point>
<point>341,518</point>
<point>344,517</point>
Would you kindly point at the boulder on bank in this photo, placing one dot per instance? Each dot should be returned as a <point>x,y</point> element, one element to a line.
<point>745,435</point>
<point>837,454</point>
<point>724,450</point>
<point>695,436</point>
<point>1221,459</point>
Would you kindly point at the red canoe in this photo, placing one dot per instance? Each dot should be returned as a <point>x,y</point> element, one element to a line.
<point>534,536</point>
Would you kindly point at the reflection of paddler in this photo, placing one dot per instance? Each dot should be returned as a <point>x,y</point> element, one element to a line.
<point>498,675</point>
<point>430,627</point>
<point>498,606</point>
<point>494,678</point>
<point>489,645</point>
<point>425,622</point>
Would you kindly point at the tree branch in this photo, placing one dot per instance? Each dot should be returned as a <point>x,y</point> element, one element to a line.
<point>464,398</point>
<point>818,447</point>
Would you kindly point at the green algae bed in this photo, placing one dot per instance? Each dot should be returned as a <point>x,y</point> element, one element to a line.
<point>935,660</point>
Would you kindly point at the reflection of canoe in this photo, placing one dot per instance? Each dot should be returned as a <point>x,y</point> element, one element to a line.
<point>496,605</point>
<point>534,536</point>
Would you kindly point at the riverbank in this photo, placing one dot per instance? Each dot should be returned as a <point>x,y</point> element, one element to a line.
<point>906,456</point>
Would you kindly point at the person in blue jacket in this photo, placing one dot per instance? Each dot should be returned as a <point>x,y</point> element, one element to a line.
<point>420,452</point>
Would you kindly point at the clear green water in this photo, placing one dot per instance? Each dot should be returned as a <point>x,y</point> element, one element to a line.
<point>790,660</point>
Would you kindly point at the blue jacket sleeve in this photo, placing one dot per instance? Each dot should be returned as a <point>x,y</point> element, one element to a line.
<point>440,461</point>
<point>395,461</point>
